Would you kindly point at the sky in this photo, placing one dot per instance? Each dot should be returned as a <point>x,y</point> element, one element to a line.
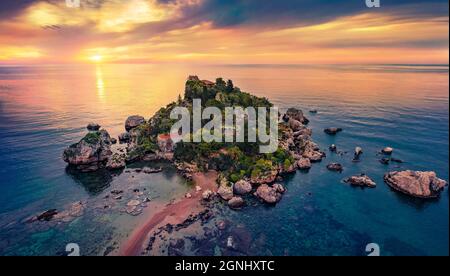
<point>224,32</point>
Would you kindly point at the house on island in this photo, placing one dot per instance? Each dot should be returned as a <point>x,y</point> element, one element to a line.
<point>206,83</point>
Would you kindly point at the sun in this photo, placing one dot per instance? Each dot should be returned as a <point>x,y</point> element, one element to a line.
<point>96,58</point>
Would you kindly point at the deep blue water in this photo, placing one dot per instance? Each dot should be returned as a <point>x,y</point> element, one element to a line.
<point>44,109</point>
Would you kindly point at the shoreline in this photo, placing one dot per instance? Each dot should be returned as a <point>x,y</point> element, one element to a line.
<point>173,213</point>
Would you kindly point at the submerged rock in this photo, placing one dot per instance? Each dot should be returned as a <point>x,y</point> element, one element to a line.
<point>416,183</point>
<point>332,130</point>
<point>384,161</point>
<point>387,150</point>
<point>236,202</point>
<point>91,153</point>
<point>270,195</point>
<point>133,122</point>
<point>335,167</point>
<point>242,187</point>
<point>361,180</point>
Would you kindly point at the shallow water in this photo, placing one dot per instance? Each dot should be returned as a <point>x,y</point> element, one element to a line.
<point>45,108</point>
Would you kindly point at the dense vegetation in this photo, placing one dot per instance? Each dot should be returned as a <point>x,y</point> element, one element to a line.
<point>234,160</point>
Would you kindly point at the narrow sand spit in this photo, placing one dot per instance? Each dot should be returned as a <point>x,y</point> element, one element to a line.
<point>174,213</point>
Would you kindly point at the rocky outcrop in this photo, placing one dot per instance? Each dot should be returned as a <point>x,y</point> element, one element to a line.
<point>332,130</point>
<point>133,122</point>
<point>358,152</point>
<point>304,164</point>
<point>387,150</point>
<point>416,183</point>
<point>93,127</point>
<point>236,202</point>
<point>336,167</point>
<point>91,153</point>
<point>242,187</point>
<point>298,115</point>
<point>361,181</point>
<point>270,195</point>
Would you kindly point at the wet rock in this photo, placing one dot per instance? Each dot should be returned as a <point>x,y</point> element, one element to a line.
<point>416,183</point>
<point>93,127</point>
<point>313,111</point>
<point>225,192</point>
<point>387,150</point>
<point>133,122</point>
<point>295,125</point>
<point>361,180</point>
<point>336,167</point>
<point>146,200</point>
<point>332,130</point>
<point>47,215</point>
<point>236,202</point>
<point>396,160</point>
<point>358,152</point>
<point>384,161</point>
<point>304,164</point>
<point>333,148</point>
<point>267,194</point>
<point>279,188</point>
<point>242,187</point>
<point>90,153</point>
<point>188,195</point>
<point>116,192</point>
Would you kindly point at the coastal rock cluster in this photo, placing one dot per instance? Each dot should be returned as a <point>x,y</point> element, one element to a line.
<point>241,173</point>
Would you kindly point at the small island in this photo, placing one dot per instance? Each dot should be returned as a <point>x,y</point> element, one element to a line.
<point>240,167</point>
<point>226,172</point>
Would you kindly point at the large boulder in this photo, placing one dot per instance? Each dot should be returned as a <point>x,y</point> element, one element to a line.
<point>270,195</point>
<point>304,164</point>
<point>361,180</point>
<point>93,127</point>
<point>416,183</point>
<point>297,114</point>
<point>225,192</point>
<point>236,202</point>
<point>91,153</point>
<point>242,187</point>
<point>133,122</point>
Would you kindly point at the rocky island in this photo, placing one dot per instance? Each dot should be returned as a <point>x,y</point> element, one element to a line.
<point>228,172</point>
<point>241,168</point>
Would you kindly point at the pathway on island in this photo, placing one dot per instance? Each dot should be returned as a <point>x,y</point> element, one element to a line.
<point>174,213</point>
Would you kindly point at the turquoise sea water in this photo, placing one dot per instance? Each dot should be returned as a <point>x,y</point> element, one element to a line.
<point>45,108</point>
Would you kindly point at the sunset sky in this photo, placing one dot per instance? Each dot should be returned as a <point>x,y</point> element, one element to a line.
<point>224,31</point>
